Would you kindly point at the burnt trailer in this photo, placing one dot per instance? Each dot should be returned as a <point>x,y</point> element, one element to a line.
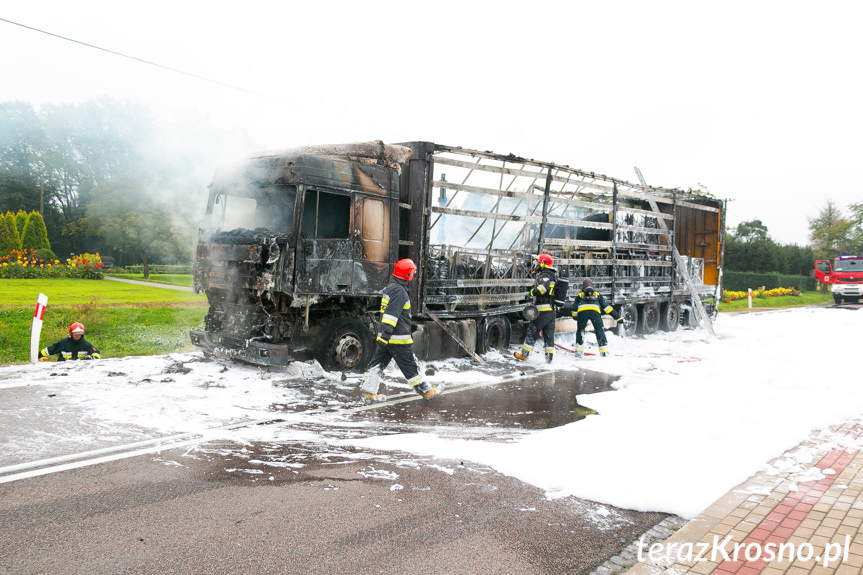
<point>299,245</point>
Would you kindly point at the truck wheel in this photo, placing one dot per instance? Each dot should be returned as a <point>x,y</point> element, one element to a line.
<point>669,318</point>
<point>348,346</point>
<point>493,333</point>
<point>629,313</point>
<point>837,299</point>
<point>690,319</point>
<point>649,318</point>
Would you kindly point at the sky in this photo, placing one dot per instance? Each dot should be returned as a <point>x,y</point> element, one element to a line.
<point>684,425</point>
<point>757,103</point>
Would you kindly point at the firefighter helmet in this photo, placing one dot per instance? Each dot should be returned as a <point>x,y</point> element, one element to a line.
<point>76,328</point>
<point>405,269</point>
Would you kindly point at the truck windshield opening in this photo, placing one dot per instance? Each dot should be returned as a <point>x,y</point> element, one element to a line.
<point>270,207</point>
<point>849,265</point>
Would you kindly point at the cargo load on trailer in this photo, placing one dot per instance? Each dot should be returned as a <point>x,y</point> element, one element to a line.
<point>299,244</point>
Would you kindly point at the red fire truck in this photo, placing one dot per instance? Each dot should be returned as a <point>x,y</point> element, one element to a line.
<point>845,277</point>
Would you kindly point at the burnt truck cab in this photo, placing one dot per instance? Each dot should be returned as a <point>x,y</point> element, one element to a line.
<point>295,252</point>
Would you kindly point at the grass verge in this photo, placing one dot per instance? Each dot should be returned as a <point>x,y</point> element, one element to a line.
<point>805,298</point>
<point>121,319</point>
<point>171,279</point>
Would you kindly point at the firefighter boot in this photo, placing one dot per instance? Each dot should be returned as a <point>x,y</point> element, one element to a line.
<point>427,391</point>
<point>549,354</point>
<point>522,354</point>
<point>603,351</point>
<point>579,350</point>
<point>369,388</point>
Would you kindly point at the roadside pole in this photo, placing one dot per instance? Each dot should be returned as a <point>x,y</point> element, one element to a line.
<point>36,326</point>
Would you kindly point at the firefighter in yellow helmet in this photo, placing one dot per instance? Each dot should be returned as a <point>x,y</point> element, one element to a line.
<point>543,294</point>
<point>394,338</point>
<point>72,347</point>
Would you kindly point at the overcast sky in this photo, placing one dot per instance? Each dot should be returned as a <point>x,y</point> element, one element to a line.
<point>758,102</point>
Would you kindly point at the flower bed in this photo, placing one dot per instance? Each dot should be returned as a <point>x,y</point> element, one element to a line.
<point>25,264</point>
<point>729,296</point>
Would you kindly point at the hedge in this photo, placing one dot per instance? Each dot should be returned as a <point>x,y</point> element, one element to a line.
<point>158,269</point>
<point>742,281</point>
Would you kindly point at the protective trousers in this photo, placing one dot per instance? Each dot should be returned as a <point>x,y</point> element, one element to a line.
<point>405,360</point>
<point>544,322</point>
<point>595,318</point>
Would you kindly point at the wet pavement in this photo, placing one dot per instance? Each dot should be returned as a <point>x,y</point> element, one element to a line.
<point>305,500</point>
<point>550,399</point>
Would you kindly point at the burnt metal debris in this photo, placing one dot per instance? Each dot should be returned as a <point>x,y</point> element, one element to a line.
<point>299,245</point>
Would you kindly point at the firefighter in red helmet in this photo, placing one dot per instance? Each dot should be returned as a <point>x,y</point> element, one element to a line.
<point>72,347</point>
<point>394,338</point>
<point>543,294</point>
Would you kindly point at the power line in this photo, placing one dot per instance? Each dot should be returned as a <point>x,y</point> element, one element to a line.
<point>141,60</point>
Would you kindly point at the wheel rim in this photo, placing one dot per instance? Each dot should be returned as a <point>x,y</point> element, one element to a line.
<point>348,351</point>
<point>651,318</point>
<point>630,318</point>
<point>495,336</point>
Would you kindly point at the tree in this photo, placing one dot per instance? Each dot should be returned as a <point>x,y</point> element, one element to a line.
<point>35,236</point>
<point>751,231</point>
<point>750,249</point>
<point>855,238</point>
<point>128,214</point>
<point>9,239</point>
<point>830,232</point>
<point>21,221</point>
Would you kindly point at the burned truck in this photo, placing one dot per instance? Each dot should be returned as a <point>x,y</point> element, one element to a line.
<point>299,244</point>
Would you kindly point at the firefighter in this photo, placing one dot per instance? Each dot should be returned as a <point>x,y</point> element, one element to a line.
<point>72,347</point>
<point>394,338</point>
<point>543,293</point>
<point>589,306</point>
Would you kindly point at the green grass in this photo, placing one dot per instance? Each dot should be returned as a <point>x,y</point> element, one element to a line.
<point>65,291</point>
<point>121,319</point>
<point>172,279</point>
<point>805,298</point>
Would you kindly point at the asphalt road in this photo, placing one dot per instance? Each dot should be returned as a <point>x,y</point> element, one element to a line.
<point>171,513</point>
<point>313,506</point>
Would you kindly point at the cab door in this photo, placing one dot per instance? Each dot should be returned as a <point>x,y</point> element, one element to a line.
<point>326,245</point>
<point>371,269</point>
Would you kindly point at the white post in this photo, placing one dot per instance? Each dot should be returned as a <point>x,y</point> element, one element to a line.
<point>36,327</point>
<point>750,298</point>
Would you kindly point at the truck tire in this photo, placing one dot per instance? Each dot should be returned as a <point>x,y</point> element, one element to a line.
<point>629,313</point>
<point>837,299</point>
<point>690,319</point>
<point>648,318</point>
<point>493,333</point>
<point>348,346</point>
<point>669,317</point>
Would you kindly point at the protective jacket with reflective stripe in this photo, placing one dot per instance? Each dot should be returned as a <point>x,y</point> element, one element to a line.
<point>595,302</point>
<point>68,348</point>
<point>543,289</point>
<point>395,325</point>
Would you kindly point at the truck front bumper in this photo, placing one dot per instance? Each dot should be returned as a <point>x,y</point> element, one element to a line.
<point>855,290</point>
<point>249,351</point>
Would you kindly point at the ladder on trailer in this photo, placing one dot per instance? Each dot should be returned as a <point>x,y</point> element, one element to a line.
<point>681,266</point>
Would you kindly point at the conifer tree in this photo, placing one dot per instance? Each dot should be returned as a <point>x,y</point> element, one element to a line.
<point>20,221</point>
<point>35,235</point>
<point>9,239</point>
